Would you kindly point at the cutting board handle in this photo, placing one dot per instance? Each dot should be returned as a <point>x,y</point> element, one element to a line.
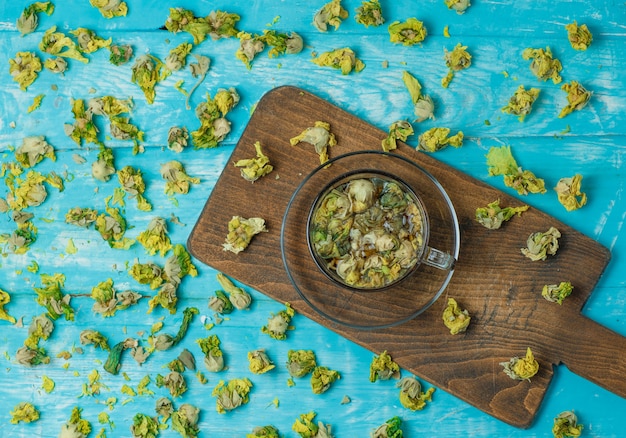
<point>596,353</point>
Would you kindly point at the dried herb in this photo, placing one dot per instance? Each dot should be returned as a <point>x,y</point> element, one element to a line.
<point>239,297</point>
<point>177,58</point>
<point>543,65</point>
<point>176,179</point>
<point>249,46</point>
<point>213,355</point>
<point>52,298</point>
<point>408,33</point>
<point>322,378</point>
<point>556,293</point>
<point>214,126</point>
<point>185,420</point>
<point>521,368</point>
<point>76,426</point>
<point>492,216</point>
<point>331,14</point>
<point>521,103</point>
<point>88,41</point>
<point>540,245</point>
<point>113,362</point>
<point>220,303</point>
<point>343,59</point>
<point>579,37</point>
<point>569,194</point>
<point>177,138</point>
<point>154,238</point>
<point>411,395</point>
<point>241,231</point>
<point>108,301</point>
<point>24,68</point>
<point>5,299</point>
<point>259,362</point>
<point>264,432</point>
<point>147,72</point>
<point>82,217</point>
<point>369,13</point>
<point>83,127</point>
<point>28,19</point>
<point>566,425</point>
<point>36,103</point>
<point>577,98</point>
<point>110,8</point>
<point>144,426</point>
<point>24,412</point>
<point>254,168</point>
<point>218,24</point>
<point>132,182</point>
<point>458,59</point>
<point>438,138</point>
<point>383,367</point>
<point>94,337</point>
<point>56,65</point>
<point>166,341</point>
<point>33,150</point>
<point>389,429</point>
<point>300,362</point>
<point>232,394</point>
<point>112,226</point>
<point>399,130</point>
<point>164,408</point>
<point>174,381</point>
<point>120,53</point>
<point>319,136</point>
<point>455,318</point>
<point>460,6</point>
<point>278,324</point>
<point>423,105</point>
<point>58,44</point>
<point>282,43</point>
<point>501,162</point>
<point>306,428</point>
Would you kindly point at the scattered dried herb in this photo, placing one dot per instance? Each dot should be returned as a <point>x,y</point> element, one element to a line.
<point>213,355</point>
<point>24,412</point>
<point>36,103</point>
<point>52,298</point>
<point>154,238</point>
<point>237,296</point>
<point>369,13</point>
<point>438,138</point>
<point>521,103</point>
<point>58,44</point>
<point>460,6</point>
<point>577,98</point>
<point>28,19</point>
<point>540,245</point>
<point>132,182</point>
<point>306,428</point>
<point>322,378</point>
<point>264,432</point>
<point>241,231</point>
<point>94,337</point>
<point>110,8</point>
<point>455,318</point>
<point>331,14</point>
<point>254,168</point>
<point>88,41</point>
<point>300,362</point>
<point>501,162</point>
<point>411,395</point>
<point>214,126</point>
<point>579,37</point>
<point>556,293</point>
<point>423,105</point>
<point>566,425</point>
<point>144,426</point>
<point>521,368</point>
<point>278,324</point>
<point>174,381</point>
<point>569,194</point>
<point>176,179</point>
<point>543,65</point>
<point>400,130</point>
<point>147,72</point>
<point>408,33</point>
<point>492,216</point>
<point>56,65</point>
<point>458,59</point>
<point>113,363</point>
<point>112,226</point>
<point>185,420</point>
<point>5,299</point>
<point>24,68</point>
<point>389,429</point>
<point>343,59</point>
<point>319,136</point>
<point>177,138</point>
<point>383,367</point>
<point>76,426</point>
<point>177,57</point>
<point>120,53</point>
<point>218,24</point>
<point>232,394</point>
<point>220,303</point>
<point>166,341</point>
<point>259,362</point>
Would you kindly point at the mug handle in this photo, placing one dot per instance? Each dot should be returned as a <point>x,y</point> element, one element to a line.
<point>438,259</point>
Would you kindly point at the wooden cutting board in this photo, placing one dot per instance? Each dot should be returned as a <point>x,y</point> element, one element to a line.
<point>498,285</point>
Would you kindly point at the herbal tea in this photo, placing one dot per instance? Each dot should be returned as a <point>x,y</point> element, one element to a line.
<point>368,231</point>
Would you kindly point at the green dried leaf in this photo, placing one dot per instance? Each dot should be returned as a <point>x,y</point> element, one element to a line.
<point>300,362</point>
<point>241,231</point>
<point>144,426</point>
<point>455,319</point>
<point>132,182</point>
<point>214,127</point>
<point>306,428</point>
<point>155,239</point>
<point>113,362</point>
<point>521,368</point>
<point>58,44</point>
<point>232,394</point>
<point>76,426</point>
<point>24,68</point>
<point>278,324</point>
<point>239,297</point>
<point>579,37</point>
<point>411,395</point>
<point>52,298</point>
<point>543,65</point>
<point>319,136</point>
<point>264,432</point>
<point>383,367</point>
<point>5,299</point>
<point>185,421</point>
<point>389,429</point>
<point>343,59</point>
<point>177,57</point>
<point>370,13</point>
<point>24,412</point>
<point>438,138</point>
<point>492,216</point>
<point>521,103</point>
<point>213,356</point>
<point>56,65</point>
<point>176,179</point>
<point>566,425</point>
<point>88,41</point>
<point>147,72</point>
<point>177,139</point>
<point>501,162</point>
<point>577,98</point>
<point>94,337</point>
<point>458,59</point>
<point>322,378</point>
<point>408,33</point>
<point>28,19</point>
<point>110,8</point>
<point>331,14</point>
<point>120,53</point>
<point>556,293</point>
<point>400,130</point>
<point>540,245</point>
<point>259,362</point>
<point>569,194</point>
<point>460,6</point>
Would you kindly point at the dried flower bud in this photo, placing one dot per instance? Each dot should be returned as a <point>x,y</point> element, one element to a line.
<point>383,368</point>
<point>521,368</point>
<point>492,216</point>
<point>540,245</point>
<point>556,293</point>
<point>455,318</point>
<point>411,395</point>
<point>259,362</point>
<point>543,65</point>
<point>300,362</point>
<point>332,13</point>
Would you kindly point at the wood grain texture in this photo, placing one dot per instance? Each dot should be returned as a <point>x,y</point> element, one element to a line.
<point>492,279</point>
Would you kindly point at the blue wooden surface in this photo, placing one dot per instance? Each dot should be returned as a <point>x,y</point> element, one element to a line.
<point>590,142</point>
